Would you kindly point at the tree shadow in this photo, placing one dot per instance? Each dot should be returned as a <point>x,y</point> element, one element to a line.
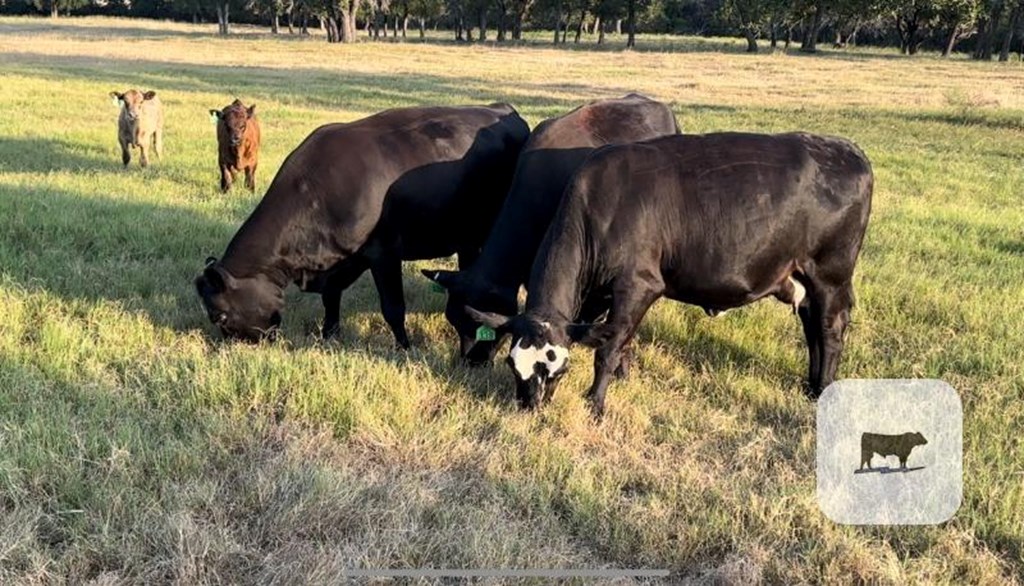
<point>44,155</point>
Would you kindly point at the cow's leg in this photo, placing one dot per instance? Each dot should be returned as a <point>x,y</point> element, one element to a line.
<point>126,153</point>
<point>810,317</point>
<point>467,257</point>
<point>250,178</point>
<point>594,308</point>
<point>225,178</point>
<point>630,303</point>
<point>158,143</point>
<point>143,153</point>
<point>336,283</point>
<point>836,303</point>
<point>387,275</point>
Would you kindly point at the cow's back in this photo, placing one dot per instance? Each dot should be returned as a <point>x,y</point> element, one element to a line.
<point>555,151</point>
<point>399,171</point>
<point>722,210</point>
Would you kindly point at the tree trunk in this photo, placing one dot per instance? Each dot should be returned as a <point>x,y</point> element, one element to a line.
<point>618,26</point>
<point>579,27</point>
<point>423,28</point>
<point>951,39</point>
<point>993,22</point>
<point>558,22</point>
<point>291,21</point>
<point>773,34</point>
<point>517,26</point>
<point>810,42</point>
<point>631,24</point>
<point>1004,51</point>
<point>275,25</point>
<point>789,36</point>
<point>751,40</point>
<point>600,34</point>
<point>597,25</point>
<point>53,9</point>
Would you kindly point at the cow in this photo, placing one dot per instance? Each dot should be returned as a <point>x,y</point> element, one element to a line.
<point>557,147</point>
<point>888,445</point>
<point>238,143</point>
<point>140,124</point>
<point>404,184</point>
<point>718,221</point>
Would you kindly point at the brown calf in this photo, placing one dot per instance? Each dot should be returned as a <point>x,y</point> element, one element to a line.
<point>238,143</point>
<point>140,124</point>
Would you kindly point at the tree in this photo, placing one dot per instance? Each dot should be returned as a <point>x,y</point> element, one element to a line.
<point>56,6</point>
<point>955,18</point>
<point>748,16</point>
<point>912,19</point>
<point>1011,30</point>
<point>424,10</point>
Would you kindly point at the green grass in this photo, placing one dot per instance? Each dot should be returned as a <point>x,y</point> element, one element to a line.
<point>135,448</point>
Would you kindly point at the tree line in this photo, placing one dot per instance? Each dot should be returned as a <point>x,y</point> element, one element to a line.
<point>983,28</point>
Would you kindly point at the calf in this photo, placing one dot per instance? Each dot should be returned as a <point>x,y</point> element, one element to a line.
<point>238,143</point>
<point>557,147</point>
<point>718,221</point>
<point>888,445</point>
<point>140,124</point>
<point>405,184</point>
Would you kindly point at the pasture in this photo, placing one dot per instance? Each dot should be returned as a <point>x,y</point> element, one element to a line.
<point>137,448</point>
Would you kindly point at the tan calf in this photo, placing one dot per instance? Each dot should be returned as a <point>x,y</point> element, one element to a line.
<point>140,124</point>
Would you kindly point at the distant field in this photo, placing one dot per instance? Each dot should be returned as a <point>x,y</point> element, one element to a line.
<point>134,447</point>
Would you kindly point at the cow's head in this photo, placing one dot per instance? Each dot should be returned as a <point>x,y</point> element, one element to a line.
<point>131,101</point>
<point>539,355</point>
<point>918,439</point>
<point>463,291</point>
<point>247,308</point>
<point>232,121</point>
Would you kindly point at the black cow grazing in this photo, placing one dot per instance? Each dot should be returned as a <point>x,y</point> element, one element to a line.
<point>557,147</point>
<point>888,445</point>
<point>405,184</point>
<point>718,221</point>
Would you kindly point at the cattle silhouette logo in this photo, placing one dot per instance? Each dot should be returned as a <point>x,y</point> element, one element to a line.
<point>905,437</point>
<point>888,445</point>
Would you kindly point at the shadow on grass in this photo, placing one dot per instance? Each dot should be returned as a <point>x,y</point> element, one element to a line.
<point>43,155</point>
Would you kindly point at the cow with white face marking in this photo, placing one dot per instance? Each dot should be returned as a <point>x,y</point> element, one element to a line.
<point>718,221</point>
<point>556,149</point>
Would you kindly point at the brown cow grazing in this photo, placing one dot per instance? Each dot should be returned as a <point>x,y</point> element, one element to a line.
<point>140,124</point>
<point>238,143</point>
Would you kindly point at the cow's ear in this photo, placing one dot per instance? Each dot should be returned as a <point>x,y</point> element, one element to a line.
<point>216,114</point>
<point>446,279</point>
<point>251,110</point>
<point>590,335</point>
<point>217,278</point>
<point>149,95</point>
<point>492,320</point>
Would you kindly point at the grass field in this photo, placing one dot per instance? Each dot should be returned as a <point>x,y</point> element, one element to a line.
<point>134,447</point>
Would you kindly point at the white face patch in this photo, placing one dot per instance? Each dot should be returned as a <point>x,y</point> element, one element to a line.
<point>524,359</point>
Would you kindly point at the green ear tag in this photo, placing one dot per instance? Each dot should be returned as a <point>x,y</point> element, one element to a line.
<point>213,118</point>
<point>437,288</point>
<point>485,334</point>
<point>116,102</point>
